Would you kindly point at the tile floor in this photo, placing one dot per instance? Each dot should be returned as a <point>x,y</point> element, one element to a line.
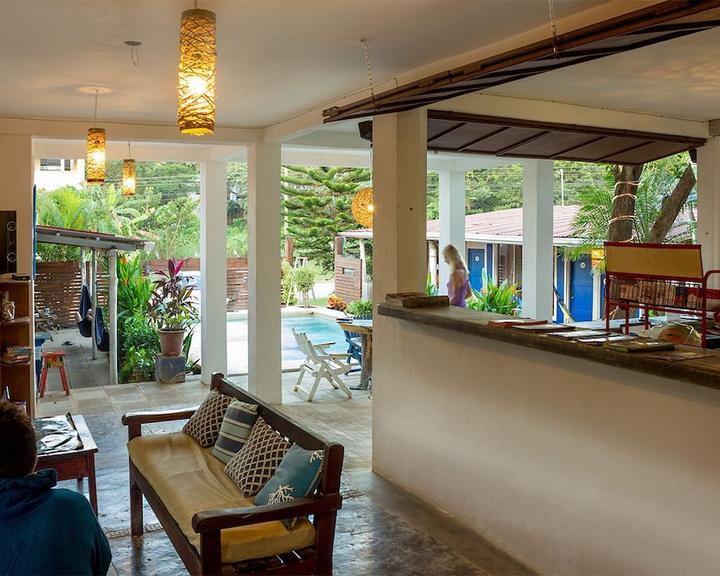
<point>381,529</point>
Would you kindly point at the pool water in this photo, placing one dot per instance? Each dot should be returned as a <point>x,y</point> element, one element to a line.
<point>318,330</point>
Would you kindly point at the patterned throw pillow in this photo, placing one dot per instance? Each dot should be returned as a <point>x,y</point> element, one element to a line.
<point>257,461</point>
<point>204,425</point>
<point>239,420</point>
<point>296,477</point>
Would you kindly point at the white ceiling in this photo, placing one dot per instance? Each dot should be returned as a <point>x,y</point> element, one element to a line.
<point>679,78</point>
<point>276,58</point>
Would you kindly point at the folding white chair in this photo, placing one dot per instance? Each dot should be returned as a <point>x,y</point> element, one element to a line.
<point>321,364</point>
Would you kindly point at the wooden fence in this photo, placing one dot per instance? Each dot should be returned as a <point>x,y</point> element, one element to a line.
<point>58,285</point>
<point>348,277</point>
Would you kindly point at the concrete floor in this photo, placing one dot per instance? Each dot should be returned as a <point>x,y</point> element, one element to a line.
<point>381,529</point>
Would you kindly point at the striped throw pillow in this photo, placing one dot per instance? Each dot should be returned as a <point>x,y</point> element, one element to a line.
<point>239,419</point>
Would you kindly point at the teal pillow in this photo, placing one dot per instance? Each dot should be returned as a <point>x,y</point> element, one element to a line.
<point>296,477</point>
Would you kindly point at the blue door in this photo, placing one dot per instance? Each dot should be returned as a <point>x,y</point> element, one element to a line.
<point>560,285</point>
<point>581,289</point>
<point>476,265</point>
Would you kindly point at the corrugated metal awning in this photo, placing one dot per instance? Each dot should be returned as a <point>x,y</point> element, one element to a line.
<point>89,239</point>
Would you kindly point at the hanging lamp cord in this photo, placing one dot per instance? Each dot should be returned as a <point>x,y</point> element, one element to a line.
<point>553,29</point>
<point>369,70</point>
<point>97,95</point>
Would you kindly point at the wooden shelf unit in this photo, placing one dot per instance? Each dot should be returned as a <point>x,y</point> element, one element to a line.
<point>659,277</point>
<point>19,378</point>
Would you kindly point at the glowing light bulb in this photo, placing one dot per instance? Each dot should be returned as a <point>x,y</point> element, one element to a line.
<point>371,208</point>
<point>197,85</point>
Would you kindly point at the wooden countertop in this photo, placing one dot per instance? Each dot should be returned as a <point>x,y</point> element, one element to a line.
<point>702,371</point>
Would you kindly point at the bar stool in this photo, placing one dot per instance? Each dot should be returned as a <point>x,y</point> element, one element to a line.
<point>53,360</point>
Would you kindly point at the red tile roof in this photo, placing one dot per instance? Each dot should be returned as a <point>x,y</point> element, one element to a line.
<point>508,223</point>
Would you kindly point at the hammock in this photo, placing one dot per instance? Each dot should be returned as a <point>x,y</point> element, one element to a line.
<point>102,338</point>
<point>85,323</point>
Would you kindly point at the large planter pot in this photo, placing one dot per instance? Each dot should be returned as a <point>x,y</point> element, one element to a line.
<point>171,342</point>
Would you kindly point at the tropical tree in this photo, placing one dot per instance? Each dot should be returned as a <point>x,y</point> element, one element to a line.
<point>317,207</point>
<point>639,203</point>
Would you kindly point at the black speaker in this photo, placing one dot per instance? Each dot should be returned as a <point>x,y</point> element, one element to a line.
<point>8,241</point>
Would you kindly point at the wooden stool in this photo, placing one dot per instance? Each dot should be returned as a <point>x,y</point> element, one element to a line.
<point>53,360</point>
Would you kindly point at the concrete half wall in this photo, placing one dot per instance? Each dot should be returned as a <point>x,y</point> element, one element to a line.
<point>570,466</point>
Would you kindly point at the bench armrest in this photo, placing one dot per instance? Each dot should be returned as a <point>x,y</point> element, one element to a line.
<point>134,420</point>
<point>220,519</point>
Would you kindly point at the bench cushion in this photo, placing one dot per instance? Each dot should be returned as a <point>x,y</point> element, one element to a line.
<point>189,479</point>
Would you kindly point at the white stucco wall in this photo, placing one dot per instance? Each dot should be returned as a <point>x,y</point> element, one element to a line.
<point>570,466</point>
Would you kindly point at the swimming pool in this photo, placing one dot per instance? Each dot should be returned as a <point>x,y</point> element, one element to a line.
<point>318,328</point>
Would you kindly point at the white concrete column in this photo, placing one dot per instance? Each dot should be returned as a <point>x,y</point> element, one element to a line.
<point>264,223</point>
<point>112,316</point>
<point>708,202</point>
<point>537,261</point>
<point>213,268</point>
<point>452,218</point>
<point>399,184</point>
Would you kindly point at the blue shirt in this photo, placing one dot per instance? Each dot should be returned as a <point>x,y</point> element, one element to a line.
<point>48,532</point>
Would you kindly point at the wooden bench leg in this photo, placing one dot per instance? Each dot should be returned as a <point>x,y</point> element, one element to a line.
<point>43,379</point>
<point>136,506</point>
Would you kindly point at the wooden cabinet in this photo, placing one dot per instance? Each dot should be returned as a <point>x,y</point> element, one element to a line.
<point>19,378</point>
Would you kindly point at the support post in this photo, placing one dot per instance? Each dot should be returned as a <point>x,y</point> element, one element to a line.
<point>213,269</point>
<point>708,203</point>
<point>537,260</point>
<point>399,183</point>
<point>452,219</point>
<point>94,298</point>
<point>264,306</point>
<point>112,316</point>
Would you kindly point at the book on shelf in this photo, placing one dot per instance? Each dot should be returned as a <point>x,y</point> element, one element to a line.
<point>577,334</point>
<point>511,322</point>
<point>639,345</point>
<point>543,328</point>
<point>16,354</point>
<point>600,340</point>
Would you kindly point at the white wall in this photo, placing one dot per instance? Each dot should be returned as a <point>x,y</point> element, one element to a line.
<point>16,168</point>
<point>571,466</point>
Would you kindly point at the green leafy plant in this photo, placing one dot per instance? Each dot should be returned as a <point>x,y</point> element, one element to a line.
<point>172,306</point>
<point>503,298</point>
<point>431,288</point>
<point>134,288</point>
<point>287,294</point>
<point>138,344</point>
<point>360,308</point>
<point>304,280</point>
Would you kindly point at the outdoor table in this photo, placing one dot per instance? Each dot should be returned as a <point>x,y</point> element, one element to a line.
<point>364,329</point>
<point>77,462</point>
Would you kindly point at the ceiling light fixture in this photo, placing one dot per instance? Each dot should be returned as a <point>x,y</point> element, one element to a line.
<point>134,46</point>
<point>95,160</point>
<point>128,175</point>
<point>196,73</point>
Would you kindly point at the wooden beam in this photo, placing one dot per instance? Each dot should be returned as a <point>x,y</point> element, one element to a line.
<point>485,137</point>
<point>447,131</point>
<point>512,147</point>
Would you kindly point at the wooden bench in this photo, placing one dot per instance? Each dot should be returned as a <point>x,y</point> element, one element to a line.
<point>322,505</point>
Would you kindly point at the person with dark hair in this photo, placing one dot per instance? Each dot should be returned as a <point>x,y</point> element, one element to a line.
<point>43,531</point>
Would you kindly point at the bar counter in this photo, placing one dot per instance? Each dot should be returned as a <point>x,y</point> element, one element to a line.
<point>701,371</point>
<point>574,459</point>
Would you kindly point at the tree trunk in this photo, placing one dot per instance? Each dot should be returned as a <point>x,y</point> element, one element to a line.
<point>627,179</point>
<point>671,207</point>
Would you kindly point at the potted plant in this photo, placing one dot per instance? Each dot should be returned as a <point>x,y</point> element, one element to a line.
<point>172,308</point>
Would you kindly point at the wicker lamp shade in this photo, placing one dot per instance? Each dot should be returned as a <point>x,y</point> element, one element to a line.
<point>128,177</point>
<point>196,74</point>
<point>362,207</point>
<point>95,161</point>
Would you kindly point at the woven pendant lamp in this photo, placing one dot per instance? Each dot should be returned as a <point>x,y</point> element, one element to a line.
<point>128,177</point>
<point>196,73</point>
<point>95,160</point>
<point>362,207</point>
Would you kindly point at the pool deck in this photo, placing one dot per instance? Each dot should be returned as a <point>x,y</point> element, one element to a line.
<point>84,372</point>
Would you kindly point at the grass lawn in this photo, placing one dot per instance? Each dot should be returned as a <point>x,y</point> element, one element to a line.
<point>321,302</point>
